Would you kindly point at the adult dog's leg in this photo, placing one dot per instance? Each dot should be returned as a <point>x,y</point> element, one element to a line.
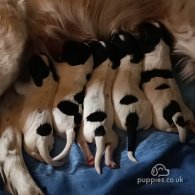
<point>12,40</point>
<point>12,167</point>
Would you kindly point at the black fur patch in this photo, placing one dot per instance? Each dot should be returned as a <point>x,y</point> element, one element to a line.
<point>170,110</point>
<point>38,70</point>
<point>162,86</point>
<point>68,108</point>
<point>167,36</point>
<point>100,53</point>
<point>100,131</point>
<point>128,99</point>
<point>79,97</point>
<point>75,53</point>
<point>119,48</point>
<point>149,36</point>
<point>97,116</point>
<point>146,76</point>
<point>132,124</point>
<point>77,119</point>
<point>88,76</point>
<point>44,129</point>
<point>180,121</point>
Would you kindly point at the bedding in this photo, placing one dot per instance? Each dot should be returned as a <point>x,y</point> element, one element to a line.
<point>162,159</point>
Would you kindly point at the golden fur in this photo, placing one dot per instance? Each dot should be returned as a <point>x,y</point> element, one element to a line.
<point>53,22</point>
<point>50,23</point>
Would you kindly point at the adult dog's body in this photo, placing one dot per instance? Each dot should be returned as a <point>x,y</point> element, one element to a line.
<point>49,23</point>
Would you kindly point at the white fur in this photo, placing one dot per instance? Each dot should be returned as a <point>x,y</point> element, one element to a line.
<point>127,83</point>
<point>12,167</point>
<point>98,98</point>
<point>72,81</point>
<point>36,111</point>
<point>160,59</point>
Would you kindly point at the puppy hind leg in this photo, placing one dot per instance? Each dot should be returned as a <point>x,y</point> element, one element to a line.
<point>89,157</point>
<point>110,148</point>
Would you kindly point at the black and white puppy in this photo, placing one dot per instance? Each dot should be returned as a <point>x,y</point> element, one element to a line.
<point>73,71</point>
<point>36,119</point>
<point>132,109</point>
<point>98,111</point>
<point>169,111</point>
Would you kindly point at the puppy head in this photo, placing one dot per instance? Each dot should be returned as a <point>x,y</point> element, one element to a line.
<point>39,66</point>
<point>99,51</point>
<point>149,36</point>
<point>124,43</point>
<point>75,53</point>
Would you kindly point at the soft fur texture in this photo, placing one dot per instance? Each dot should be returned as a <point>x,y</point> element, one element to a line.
<point>169,111</point>
<point>12,165</point>
<point>67,109</point>
<point>49,23</point>
<point>98,113</point>
<point>132,109</point>
<point>35,118</point>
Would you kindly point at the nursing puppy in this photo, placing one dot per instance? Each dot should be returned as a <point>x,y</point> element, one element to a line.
<point>132,109</point>
<point>73,71</point>
<point>98,111</point>
<point>36,119</point>
<point>13,170</point>
<point>13,35</point>
<point>169,111</point>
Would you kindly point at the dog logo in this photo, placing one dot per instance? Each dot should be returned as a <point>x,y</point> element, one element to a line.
<point>160,170</point>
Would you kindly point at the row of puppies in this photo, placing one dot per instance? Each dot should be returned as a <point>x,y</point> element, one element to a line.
<point>118,70</point>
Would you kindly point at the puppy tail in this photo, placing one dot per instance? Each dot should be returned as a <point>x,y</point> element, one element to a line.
<point>132,124</point>
<point>180,124</point>
<point>44,153</point>
<point>100,148</point>
<point>70,136</point>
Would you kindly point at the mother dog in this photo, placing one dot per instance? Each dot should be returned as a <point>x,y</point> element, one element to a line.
<point>50,23</point>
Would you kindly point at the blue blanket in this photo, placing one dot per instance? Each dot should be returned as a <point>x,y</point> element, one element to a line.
<point>165,166</point>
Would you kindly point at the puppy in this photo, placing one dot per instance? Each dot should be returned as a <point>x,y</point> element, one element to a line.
<point>73,71</point>
<point>36,119</point>
<point>98,111</point>
<point>13,170</point>
<point>169,111</point>
<point>13,36</point>
<point>132,108</point>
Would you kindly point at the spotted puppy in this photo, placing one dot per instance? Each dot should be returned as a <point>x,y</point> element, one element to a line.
<point>36,119</point>
<point>132,108</point>
<point>169,111</point>
<point>73,71</point>
<point>98,111</point>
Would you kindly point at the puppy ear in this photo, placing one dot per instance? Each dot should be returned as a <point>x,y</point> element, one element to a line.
<point>149,36</point>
